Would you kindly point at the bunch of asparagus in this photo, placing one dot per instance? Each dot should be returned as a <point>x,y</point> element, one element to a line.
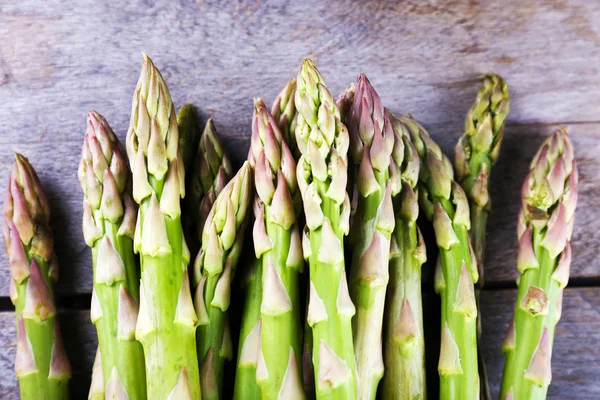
<point>163,323</point>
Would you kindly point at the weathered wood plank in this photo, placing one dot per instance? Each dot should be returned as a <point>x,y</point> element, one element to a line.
<point>58,62</point>
<point>575,355</point>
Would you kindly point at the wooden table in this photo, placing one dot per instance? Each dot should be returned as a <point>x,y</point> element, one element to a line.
<point>59,60</point>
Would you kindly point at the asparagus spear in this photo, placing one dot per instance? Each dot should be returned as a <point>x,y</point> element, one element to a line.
<point>444,202</point>
<point>41,364</point>
<point>210,173</point>
<point>545,225</point>
<point>277,243</point>
<point>214,269</point>
<point>284,112</point>
<point>371,144</point>
<point>167,322</point>
<point>108,227</point>
<point>246,387</point>
<point>188,124</point>
<point>322,175</point>
<point>343,102</point>
<point>403,341</point>
<point>476,152</point>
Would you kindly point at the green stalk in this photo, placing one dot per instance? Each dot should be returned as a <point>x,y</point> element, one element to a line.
<point>322,175</point>
<point>214,269</point>
<point>444,202</point>
<point>545,225</point>
<point>476,152</point>
<point>166,323</point>
<point>41,364</point>
<point>371,143</point>
<point>277,243</point>
<point>109,219</point>
<point>284,112</point>
<point>246,387</point>
<point>403,340</point>
<point>211,170</point>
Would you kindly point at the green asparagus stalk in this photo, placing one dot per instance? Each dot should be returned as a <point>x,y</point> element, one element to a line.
<point>108,228</point>
<point>322,175</point>
<point>545,225</point>
<point>443,201</point>
<point>188,124</point>
<point>277,243</point>
<point>371,144</point>
<point>97,385</point>
<point>214,269</point>
<point>343,102</point>
<point>210,173</point>
<point>246,387</point>
<point>167,322</point>
<point>403,340</point>
<point>284,112</point>
<point>476,152</point>
<point>41,364</point>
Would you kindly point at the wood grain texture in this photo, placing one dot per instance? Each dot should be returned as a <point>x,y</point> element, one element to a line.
<point>59,60</point>
<point>575,365</point>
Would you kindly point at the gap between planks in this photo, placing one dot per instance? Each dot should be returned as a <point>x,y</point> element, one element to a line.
<point>82,301</point>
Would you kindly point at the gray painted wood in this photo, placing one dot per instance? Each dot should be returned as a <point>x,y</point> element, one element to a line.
<point>575,365</point>
<point>59,60</point>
